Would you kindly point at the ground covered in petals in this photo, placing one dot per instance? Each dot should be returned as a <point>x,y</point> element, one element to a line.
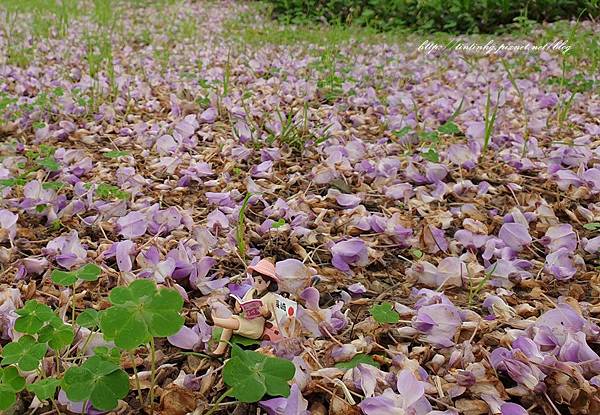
<point>435,215</point>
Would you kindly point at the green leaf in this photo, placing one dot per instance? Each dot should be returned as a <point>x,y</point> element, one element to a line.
<point>431,136</point>
<point>417,253</point>
<point>57,334</point>
<point>89,318</point>
<point>7,397</point>
<point>384,313</point>
<point>89,272</point>
<point>26,353</point>
<point>11,378</point>
<point>33,316</point>
<point>244,341</point>
<point>49,163</point>
<point>64,278</point>
<point>431,155</point>
<point>402,132</point>
<point>140,312</point>
<point>593,226</point>
<point>116,154</point>
<point>251,375</point>
<point>449,128</point>
<point>53,185</point>
<point>356,360</point>
<point>280,222</point>
<point>101,381</point>
<point>45,388</point>
<point>12,182</point>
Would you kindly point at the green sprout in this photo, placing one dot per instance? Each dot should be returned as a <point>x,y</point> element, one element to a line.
<point>116,154</point>
<point>384,313</point>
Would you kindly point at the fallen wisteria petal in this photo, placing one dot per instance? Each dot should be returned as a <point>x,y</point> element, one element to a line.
<point>515,235</point>
<point>133,225</point>
<point>439,323</point>
<point>294,404</point>
<point>350,252</point>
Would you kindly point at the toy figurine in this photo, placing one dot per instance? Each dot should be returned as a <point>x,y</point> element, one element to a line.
<point>258,307</point>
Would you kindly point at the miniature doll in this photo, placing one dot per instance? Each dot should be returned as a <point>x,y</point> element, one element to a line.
<point>258,307</point>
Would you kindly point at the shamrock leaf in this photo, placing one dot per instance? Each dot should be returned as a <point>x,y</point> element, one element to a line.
<point>140,312</point>
<point>384,313</point>
<point>63,277</point>
<point>33,316</point>
<point>45,388</point>
<point>280,222</point>
<point>402,132</point>
<point>356,360</point>
<point>449,128</point>
<point>101,381</point>
<point>417,253</point>
<point>89,318</point>
<point>49,163</point>
<point>110,355</point>
<point>26,353</point>
<point>10,377</point>
<point>57,334</point>
<point>89,272</point>
<point>10,383</point>
<point>251,375</point>
<point>431,155</point>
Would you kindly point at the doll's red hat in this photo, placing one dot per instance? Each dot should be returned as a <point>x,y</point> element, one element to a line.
<point>265,267</point>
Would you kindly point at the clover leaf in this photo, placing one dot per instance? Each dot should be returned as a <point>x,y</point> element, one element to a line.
<point>384,313</point>
<point>89,272</point>
<point>33,316</point>
<point>63,277</point>
<point>139,312</point>
<point>26,353</point>
<point>10,384</point>
<point>57,334</point>
<point>10,377</point>
<point>98,380</point>
<point>251,375</point>
<point>356,360</point>
<point>89,318</point>
<point>431,155</point>
<point>45,388</point>
<point>7,397</point>
<point>449,128</point>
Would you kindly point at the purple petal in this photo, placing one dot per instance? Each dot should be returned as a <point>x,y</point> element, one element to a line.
<point>185,338</point>
<point>123,253</point>
<point>515,235</point>
<point>132,225</point>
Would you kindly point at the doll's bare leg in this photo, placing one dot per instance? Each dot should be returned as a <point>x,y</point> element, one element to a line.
<point>225,337</point>
<point>228,325</point>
